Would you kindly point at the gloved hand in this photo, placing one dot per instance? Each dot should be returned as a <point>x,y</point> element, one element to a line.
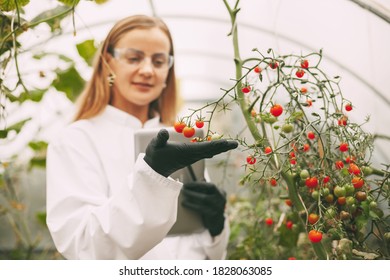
<point>167,157</point>
<point>208,201</point>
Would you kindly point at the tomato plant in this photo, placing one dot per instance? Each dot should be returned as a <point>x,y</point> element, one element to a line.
<point>300,130</point>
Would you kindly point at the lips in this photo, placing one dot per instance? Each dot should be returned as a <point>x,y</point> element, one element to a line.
<point>143,85</point>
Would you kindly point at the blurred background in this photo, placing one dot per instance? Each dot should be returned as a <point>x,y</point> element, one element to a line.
<point>353,35</point>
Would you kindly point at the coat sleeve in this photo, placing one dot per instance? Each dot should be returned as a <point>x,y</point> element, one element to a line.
<point>86,222</point>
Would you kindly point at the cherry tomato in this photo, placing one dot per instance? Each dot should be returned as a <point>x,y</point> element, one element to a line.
<point>313,218</point>
<point>300,73</point>
<point>257,69</point>
<point>303,90</point>
<point>339,164</point>
<point>305,64</point>
<point>311,182</point>
<point>273,64</point>
<point>326,179</point>
<point>269,221</point>
<point>179,126</point>
<point>315,236</point>
<point>348,107</point>
<point>309,102</point>
<point>276,110</point>
<point>268,150</point>
<point>251,160</point>
<point>343,121</point>
<point>339,191</point>
<point>188,131</point>
<point>304,174</point>
<point>350,159</point>
<point>287,128</point>
<point>288,202</point>
<point>357,182</point>
<point>343,147</point>
<point>311,135</point>
<point>289,224</point>
<point>246,89</point>
<point>361,196</point>
<point>273,182</point>
<point>306,147</point>
<point>354,169</point>
<point>199,123</point>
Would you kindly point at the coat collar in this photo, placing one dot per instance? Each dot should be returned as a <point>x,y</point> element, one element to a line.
<point>113,114</point>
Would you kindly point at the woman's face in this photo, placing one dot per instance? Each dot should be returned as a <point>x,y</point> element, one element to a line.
<point>141,64</point>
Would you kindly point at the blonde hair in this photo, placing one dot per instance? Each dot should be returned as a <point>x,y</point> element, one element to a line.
<point>96,95</point>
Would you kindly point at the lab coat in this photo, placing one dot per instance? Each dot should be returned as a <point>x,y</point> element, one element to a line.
<point>103,203</point>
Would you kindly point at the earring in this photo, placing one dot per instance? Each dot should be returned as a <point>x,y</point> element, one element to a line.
<point>111,79</point>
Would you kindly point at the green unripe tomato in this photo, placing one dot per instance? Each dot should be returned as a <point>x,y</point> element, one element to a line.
<point>315,195</point>
<point>350,200</point>
<point>304,174</point>
<point>349,189</point>
<point>339,191</point>
<point>367,170</point>
<point>373,205</point>
<point>330,213</point>
<point>287,128</point>
<point>325,191</point>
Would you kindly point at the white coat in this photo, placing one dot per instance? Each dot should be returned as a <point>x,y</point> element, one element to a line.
<point>102,203</point>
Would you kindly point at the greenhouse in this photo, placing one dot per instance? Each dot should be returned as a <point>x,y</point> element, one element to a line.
<point>276,113</point>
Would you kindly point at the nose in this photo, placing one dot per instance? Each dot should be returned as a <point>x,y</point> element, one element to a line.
<point>146,67</point>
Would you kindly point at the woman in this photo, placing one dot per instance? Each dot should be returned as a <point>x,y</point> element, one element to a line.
<point>102,201</point>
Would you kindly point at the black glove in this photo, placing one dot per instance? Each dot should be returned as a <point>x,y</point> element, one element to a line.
<point>207,200</point>
<point>167,157</point>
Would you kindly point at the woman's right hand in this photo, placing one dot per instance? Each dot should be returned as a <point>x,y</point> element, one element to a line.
<point>166,157</point>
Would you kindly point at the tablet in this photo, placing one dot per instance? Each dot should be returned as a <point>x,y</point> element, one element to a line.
<point>187,221</point>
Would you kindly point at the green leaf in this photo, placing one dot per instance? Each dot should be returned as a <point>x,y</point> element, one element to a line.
<point>9,5</point>
<point>38,162</point>
<point>33,95</point>
<point>60,56</point>
<point>38,145</point>
<point>100,1</point>
<point>87,50</point>
<point>52,17</point>
<point>18,126</point>
<point>70,82</point>
<point>3,133</point>
<point>41,217</point>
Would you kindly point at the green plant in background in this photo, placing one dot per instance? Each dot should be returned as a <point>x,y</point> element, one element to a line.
<point>14,93</point>
<point>314,191</point>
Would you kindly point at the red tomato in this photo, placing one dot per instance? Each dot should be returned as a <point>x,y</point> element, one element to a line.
<point>339,164</point>
<point>300,73</point>
<point>257,69</point>
<point>269,221</point>
<point>311,135</point>
<point>357,182</point>
<point>326,179</point>
<point>354,169</point>
<point>268,150</point>
<point>289,224</point>
<point>288,202</point>
<point>315,236</point>
<point>273,64</point>
<point>306,147</point>
<point>179,126</point>
<point>246,89</point>
<point>348,107</point>
<point>251,160</point>
<point>343,121</point>
<point>273,182</point>
<point>188,131</point>
<point>343,147</point>
<point>276,110</point>
<point>303,90</point>
<point>341,200</point>
<point>305,64</point>
<point>313,218</point>
<point>199,123</point>
<point>311,182</point>
<point>309,102</point>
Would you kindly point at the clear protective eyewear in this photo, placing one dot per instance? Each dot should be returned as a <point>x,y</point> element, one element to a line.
<point>133,57</point>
